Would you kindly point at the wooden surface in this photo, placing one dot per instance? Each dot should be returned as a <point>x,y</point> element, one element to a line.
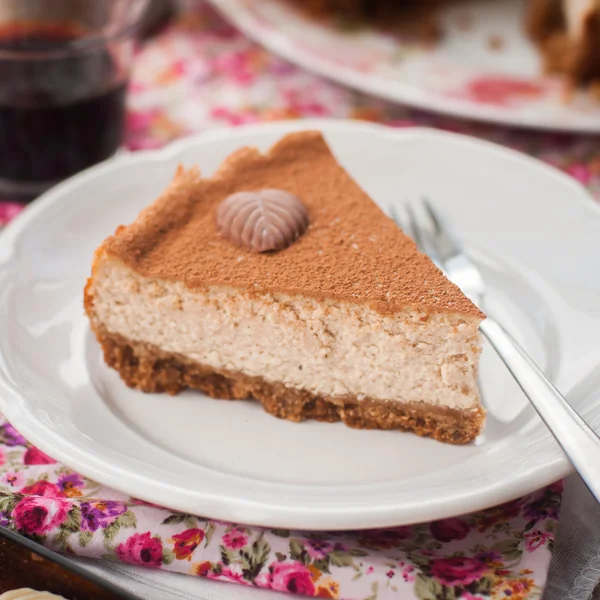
<point>21,567</point>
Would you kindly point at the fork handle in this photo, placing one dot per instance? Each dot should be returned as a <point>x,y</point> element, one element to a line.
<point>575,436</point>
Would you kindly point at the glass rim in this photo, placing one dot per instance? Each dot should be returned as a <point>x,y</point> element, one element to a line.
<point>96,39</point>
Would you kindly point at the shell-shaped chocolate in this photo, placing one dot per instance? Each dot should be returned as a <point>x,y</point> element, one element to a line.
<point>262,220</point>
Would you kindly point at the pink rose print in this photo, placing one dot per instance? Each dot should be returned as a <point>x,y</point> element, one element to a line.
<point>235,65</point>
<point>264,579</point>
<point>457,570</point>
<point>408,573</point>
<point>33,456</point>
<point>140,120</point>
<point>37,515</point>
<point>222,113</point>
<point>292,577</point>
<point>2,457</point>
<point>8,211</point>
<point>233,574</point>
<point>42,488</point>
<point>141,549</point>
<point>13,479</point>
<point>186,542</point>
<point>139,130</point>
<point>235,539</point>
<point>535,539</point>
<point>581,172</point>
<point>449,529</point>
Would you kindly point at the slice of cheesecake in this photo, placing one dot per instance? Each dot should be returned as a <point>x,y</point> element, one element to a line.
<point>279,279</point>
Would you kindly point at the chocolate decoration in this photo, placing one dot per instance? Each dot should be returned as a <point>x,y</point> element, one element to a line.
<point>262,220</point>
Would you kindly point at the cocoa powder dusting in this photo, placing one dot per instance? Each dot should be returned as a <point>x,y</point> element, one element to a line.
<point>351,251</point>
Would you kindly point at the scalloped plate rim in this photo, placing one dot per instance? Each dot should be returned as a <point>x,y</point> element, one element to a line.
<point>331,518</point>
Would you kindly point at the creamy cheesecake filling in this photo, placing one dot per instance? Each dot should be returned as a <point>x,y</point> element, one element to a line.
<point>328,348</point>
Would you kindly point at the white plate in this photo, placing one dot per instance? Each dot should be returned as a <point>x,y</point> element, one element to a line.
<point>533,230</point>
<point>461,75</point>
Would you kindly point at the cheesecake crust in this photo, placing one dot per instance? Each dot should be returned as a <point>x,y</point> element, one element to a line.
<point>149,369</point>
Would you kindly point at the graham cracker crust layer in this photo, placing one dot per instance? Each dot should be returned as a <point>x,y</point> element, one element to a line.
<point>146,368</point>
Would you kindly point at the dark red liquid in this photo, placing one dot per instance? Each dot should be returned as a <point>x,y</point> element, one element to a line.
<point>58,113</point>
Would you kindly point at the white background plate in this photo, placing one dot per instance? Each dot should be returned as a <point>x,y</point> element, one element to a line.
<point>461,75</point>
<point>533,230</point>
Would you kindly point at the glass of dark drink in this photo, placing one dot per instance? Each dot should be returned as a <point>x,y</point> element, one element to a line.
<point>64,67</point>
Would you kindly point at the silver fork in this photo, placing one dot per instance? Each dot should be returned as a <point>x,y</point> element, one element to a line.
<point>575,436</point>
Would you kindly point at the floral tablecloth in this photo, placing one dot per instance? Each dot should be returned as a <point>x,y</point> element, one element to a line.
<point>200,74</point>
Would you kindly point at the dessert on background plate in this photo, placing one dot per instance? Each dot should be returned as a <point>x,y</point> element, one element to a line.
<point>279,279</point>
<point>568,35</point>
<point>474,59</point>
<point>567,32</point>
